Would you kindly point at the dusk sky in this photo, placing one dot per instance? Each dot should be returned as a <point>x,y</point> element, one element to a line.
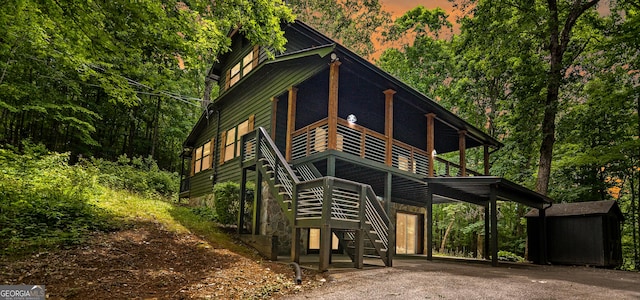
<point>398,7</point>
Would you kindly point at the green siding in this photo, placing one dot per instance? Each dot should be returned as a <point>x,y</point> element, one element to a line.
<point>249,96</point>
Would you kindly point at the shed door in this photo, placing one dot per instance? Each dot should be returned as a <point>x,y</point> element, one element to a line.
<point>406,233</point>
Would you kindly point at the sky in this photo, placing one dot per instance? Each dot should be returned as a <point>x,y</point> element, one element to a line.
<point>398,7</point>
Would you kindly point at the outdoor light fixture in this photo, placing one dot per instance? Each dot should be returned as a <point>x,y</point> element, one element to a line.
<point>352,119</point>
<point>434,153</point>
<point>334,57</point>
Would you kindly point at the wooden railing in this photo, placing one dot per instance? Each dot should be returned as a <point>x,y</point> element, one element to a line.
<point>366,143</point>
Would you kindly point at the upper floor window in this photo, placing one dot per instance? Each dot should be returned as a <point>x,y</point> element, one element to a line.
<point>231,139</point>
<point>202,157</point>
<point>242,68</point>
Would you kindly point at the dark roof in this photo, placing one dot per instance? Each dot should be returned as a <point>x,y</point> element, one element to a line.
<point>580,209</point>
<point>477,189</point>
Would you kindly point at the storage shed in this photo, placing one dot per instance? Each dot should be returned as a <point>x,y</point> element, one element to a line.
<point>583,233</point>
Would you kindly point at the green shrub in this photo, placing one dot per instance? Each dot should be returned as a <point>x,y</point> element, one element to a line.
<point>509,256</point>
<point>137,175</point>
<point>44,201</point>
<point>227,200</point>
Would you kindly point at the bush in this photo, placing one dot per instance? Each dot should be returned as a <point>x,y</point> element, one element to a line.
<point>44,201</point>
<point>137,175</point>
<point>509,256</point>
<point>227,200</point>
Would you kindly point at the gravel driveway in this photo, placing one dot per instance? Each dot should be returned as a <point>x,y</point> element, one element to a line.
<point>417,278</point>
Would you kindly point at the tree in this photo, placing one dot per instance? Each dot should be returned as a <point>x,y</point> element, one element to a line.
<point>350,22</point>
<point>95,78</point>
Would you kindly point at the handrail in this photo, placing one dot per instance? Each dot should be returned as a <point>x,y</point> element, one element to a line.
<point>364,132</point>
<point>278,155</point>
<point>450,163</point>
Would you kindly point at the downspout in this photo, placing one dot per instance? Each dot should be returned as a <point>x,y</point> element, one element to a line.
<point>215,163</point>
<point>296,267</point>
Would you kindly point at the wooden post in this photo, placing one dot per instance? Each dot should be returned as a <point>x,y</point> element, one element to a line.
<point>487,230</point>
<point>295,244</point>
<point>430,142</point>
<point>392,219</point>
<point>388,128</point>
<point>494,226</point>
<point>243,198</point>
<point>486,160</point>
<point>291,119</point>
<point>462,146</point>
<point>325,229</point>
<point>274,114</point>
<point>359,242</point>
<point>332,113</point>
<point>257,200</point>
<point>429,217</point>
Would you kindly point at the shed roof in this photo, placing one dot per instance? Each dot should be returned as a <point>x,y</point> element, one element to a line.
<point>580,209</point>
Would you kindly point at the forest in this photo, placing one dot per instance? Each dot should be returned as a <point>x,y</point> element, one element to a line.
<point>557,81</point>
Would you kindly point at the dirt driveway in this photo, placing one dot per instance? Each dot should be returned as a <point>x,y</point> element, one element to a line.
<point>417,278</point>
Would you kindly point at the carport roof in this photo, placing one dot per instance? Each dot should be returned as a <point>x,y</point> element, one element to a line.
<point>477,190</point>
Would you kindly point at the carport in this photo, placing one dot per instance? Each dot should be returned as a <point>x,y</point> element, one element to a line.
<point>484,191</point>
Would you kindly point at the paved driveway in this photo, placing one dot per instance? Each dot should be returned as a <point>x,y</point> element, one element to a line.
<point>417,278</point>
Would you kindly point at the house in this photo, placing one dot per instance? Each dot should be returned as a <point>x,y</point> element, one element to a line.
<point>582,233</point>
<point>345,157</point>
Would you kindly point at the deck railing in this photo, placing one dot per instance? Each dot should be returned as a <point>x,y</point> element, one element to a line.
<point>366,143</point>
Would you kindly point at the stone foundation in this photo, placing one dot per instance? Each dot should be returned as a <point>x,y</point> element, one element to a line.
<point>273,221</point>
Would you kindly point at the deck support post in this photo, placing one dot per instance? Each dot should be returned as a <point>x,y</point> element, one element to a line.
<point>487,221</point>
<point>430,142</point>
<point>291,120</point>
<point>295,244</point>
<point>391,251</point>
<point>325,247</point>
<point>257,201</point>
<point>429,217</point>
<point>494,225</point>
<point>243,198</point>
<point>462,146</point>
<point>358,257</point>
<point>486,160</point>
<point>388,126</point>
<point>332,114</point>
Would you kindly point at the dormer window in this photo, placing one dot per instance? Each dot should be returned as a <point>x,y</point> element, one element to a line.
<point>242,68</point>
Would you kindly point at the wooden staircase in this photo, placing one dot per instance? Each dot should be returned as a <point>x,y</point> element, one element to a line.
<point>349,209</point>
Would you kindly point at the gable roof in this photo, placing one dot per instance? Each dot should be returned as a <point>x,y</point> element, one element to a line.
<point>266,69</point>
<point>580,209</point>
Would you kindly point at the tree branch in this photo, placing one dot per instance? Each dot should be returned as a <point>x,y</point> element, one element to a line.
<point>576,11</point>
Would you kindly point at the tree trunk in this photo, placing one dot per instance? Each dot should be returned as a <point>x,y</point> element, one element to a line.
<point>558,42</point>
<point>446,234</point>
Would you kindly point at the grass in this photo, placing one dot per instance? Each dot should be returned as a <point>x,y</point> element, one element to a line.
<point>130,208</point>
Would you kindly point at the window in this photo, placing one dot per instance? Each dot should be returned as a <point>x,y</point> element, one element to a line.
<point>242,68</point>
<point>232,139</point>
<point>202,157</point>
<point>247,63</point>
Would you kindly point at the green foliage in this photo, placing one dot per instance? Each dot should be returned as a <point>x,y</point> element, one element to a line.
<point>351,22</point>
<point>508,256</point>
<point>105,78</point>
<point>227,201</point>
<point>45,202</point>
<point>140,175</point>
